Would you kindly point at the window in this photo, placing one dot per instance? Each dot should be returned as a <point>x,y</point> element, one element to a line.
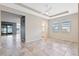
<point>66,26</point>
<point>9,29</point>
<point>55,27</point>
<point>3,30</point>
<point>6,28</point>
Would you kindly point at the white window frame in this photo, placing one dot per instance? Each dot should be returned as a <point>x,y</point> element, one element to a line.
<point>66,26</point>
<point>56,27</point>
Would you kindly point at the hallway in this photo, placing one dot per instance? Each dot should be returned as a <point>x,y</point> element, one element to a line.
<point>12,46</point>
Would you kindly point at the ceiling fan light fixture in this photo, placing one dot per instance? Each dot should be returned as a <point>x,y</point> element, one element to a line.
<point>47,13</point>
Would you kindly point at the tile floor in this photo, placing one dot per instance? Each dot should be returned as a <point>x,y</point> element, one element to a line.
<point>12,46</point>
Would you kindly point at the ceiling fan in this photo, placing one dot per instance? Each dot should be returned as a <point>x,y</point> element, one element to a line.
<point>48,8</point>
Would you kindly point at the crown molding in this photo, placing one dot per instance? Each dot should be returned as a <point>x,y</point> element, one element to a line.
<point>61,13</point>
<point>20,4</point>
<point>58,14</point>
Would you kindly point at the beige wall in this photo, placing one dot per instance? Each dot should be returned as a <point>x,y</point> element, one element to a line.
<point>71,36</point>
<point>0,23</point>
<point>34,28</point>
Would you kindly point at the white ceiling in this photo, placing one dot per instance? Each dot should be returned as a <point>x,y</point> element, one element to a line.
<point>54,8</point>
<point>39,9</point>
